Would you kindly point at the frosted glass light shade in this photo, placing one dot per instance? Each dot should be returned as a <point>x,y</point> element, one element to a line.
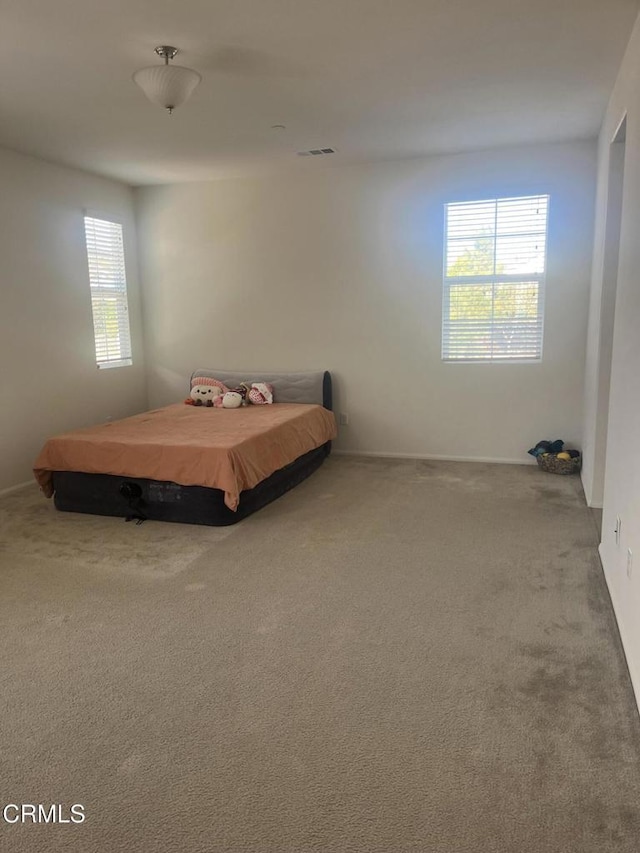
<point>167,85</point>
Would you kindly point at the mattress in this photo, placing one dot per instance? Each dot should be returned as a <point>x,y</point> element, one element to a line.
<point>141,499</point>
<point>195,464</point>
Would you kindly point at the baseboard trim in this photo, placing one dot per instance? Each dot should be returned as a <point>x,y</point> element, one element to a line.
<point>633,676</point>
<point>16,488</point>
<point>387,455</point>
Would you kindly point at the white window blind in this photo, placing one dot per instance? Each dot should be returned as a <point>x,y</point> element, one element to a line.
<point>105,250</point>
<point>494,273</point>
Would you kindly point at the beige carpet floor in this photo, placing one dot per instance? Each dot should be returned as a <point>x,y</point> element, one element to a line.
<point>396,656</point>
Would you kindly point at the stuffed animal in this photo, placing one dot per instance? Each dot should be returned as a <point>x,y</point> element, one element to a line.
<point>204,395</point>
<point>231,400</point>
<point>204,391</point>
<point>260,393</point>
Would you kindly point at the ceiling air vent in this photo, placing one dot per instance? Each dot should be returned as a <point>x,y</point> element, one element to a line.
<point>316,152</point>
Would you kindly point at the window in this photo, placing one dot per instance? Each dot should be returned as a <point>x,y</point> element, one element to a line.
<point>494,271</point>
<point>105,250</point>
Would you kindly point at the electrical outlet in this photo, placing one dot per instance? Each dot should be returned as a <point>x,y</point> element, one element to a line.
<point>617,529</point>
<point>629,562</point>
<point>344,419</point>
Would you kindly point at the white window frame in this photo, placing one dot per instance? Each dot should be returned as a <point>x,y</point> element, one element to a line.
<point>104,240</point>
<point>529,276</point>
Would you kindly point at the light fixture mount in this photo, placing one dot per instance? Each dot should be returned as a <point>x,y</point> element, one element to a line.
<point>166,52</point>
<point>167,85</point>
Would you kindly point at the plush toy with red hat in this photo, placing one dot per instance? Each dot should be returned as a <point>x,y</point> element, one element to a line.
<point>205,391</point>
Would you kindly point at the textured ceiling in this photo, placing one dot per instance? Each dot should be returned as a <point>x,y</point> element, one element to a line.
<point>375,79</point>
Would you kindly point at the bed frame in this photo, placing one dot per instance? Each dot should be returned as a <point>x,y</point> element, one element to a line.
<point>140,499</point>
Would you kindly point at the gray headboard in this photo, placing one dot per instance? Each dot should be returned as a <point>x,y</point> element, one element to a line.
<point>309,386</point>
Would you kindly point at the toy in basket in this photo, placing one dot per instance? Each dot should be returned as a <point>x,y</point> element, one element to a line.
<point>551,457</point>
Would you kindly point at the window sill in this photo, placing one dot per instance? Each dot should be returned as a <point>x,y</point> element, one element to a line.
<point>491,360</point>
<point>107,365</point>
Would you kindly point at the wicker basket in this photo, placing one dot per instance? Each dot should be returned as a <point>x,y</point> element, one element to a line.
<point>553,465</point>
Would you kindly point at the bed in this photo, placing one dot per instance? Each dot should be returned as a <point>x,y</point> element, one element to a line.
<point>195,464</point>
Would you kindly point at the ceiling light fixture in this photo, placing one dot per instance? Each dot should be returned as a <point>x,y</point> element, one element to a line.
<point>167,85</point>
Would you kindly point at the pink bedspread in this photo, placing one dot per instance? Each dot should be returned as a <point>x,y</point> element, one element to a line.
<point>228,449</point>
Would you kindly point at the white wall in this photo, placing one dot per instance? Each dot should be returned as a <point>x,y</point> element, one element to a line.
<point>340,268</point>
<point>48,373</point>
<point>622,475</point>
